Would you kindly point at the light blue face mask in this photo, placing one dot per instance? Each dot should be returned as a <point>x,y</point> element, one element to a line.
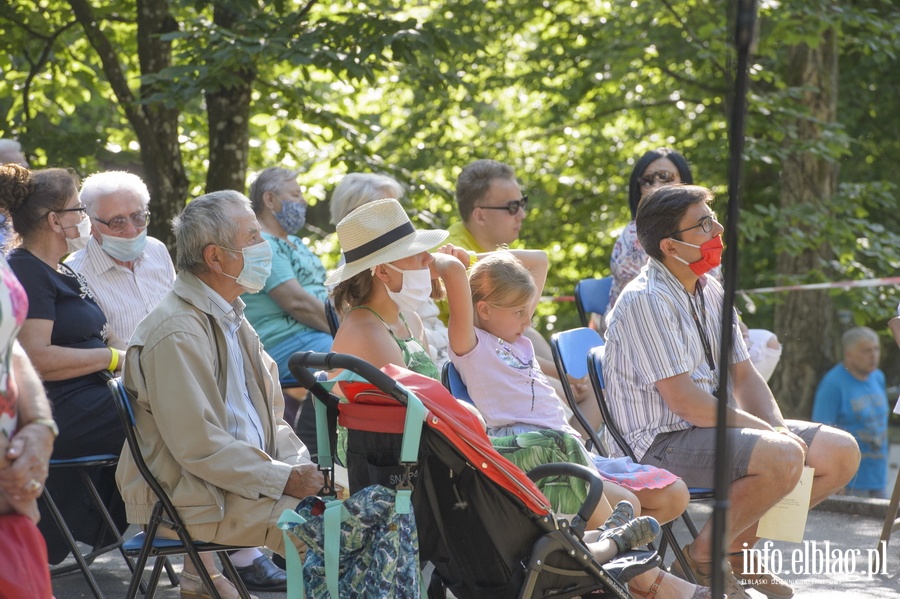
<point>257,266</point>
<point>122,248</point>
<point>292,216</point>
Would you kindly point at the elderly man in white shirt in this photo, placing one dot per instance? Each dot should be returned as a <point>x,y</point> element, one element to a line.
<point>128,271</point>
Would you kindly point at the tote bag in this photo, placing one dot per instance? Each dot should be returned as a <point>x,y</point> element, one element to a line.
<point>361,547</point>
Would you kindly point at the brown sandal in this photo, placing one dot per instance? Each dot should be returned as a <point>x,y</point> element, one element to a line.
<point>699,591</point>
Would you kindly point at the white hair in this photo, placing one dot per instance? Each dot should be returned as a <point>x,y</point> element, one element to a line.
<point>356,189</point>
<point>103,184</point>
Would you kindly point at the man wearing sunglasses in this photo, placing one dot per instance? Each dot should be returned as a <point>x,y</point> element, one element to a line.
<point>128,271</point>
<point>661,367</point>
<point>492,207</point>
<point>491,204</point>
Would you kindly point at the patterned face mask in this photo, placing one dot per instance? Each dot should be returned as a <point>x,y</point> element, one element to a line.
<point>292,216</point>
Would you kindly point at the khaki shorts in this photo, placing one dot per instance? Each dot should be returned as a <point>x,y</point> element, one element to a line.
<point>691,453</point>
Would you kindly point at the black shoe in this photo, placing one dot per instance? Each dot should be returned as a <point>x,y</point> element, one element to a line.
<point>263,575</point>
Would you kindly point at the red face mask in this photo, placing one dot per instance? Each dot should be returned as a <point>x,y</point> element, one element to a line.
<point>710,255</point>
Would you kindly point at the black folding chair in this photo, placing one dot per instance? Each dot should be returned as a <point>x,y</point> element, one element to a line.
<point>107,534</point>
<point>147,544</point>
<point>592,297</point>
<point>595,370</point>
<point>570,349</point>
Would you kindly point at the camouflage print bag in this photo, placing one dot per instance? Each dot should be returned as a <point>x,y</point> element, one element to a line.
<point>361,547</point>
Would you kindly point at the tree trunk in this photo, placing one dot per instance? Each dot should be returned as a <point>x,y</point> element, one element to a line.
<point>228,114</point>
<point>160,150</point>
<point>805,321</point>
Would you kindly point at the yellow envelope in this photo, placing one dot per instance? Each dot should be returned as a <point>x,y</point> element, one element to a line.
<point>786,520</point>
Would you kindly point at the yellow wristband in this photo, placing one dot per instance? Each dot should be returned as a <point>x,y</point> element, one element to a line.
<point>781,429</point>
<point>473,258</point>
<point>113,360</point>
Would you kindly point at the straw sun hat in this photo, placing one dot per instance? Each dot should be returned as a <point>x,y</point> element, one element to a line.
<point>376,233</point>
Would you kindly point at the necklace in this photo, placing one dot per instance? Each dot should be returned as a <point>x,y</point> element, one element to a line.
<point>508,357</point>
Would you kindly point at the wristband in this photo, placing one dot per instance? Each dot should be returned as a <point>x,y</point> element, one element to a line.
<point>113,360</point>
<point>781,429</point>
<point>48,422</point>
<point>473,258</point>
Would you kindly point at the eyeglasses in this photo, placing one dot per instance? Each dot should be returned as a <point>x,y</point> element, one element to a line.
<point>652,178</point>
<point>706,223</point>
<point>119,223</point>
<point>512,206</point>
<point>78,208</point>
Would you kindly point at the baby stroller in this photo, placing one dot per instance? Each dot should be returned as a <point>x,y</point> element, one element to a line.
<point>482,523</point>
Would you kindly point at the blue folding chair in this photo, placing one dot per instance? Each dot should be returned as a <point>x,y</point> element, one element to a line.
<point>592,296</point>
<point>146,544</point>
<point>570,349</point>
<point>595,370</point>
<point>331,316</point>
<point>85,465</point>
<point>453,382</point>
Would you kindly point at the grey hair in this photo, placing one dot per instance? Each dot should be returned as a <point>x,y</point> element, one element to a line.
<point>9,145</point>
<point>271,179</point>
<point>853,336</point>
<point>474,181</point>
<point>103,184</point>
<point>206,221</point>
<point>356,189</point>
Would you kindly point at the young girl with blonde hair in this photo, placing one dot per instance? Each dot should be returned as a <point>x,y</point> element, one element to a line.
<point>497,364</point>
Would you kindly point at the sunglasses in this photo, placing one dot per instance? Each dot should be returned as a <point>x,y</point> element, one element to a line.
<point>652,178</point>
<point>119,223</point>
<point>512,206</point>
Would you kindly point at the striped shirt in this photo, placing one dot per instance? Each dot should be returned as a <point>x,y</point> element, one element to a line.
<point>652,336</point>
<point>126,296</point>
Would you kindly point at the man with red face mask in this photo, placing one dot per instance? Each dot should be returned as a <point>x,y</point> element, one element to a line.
<point>661,369</point>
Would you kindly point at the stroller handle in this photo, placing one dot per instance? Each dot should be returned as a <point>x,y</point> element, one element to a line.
<point>319,360</point>
<point>595,487</point>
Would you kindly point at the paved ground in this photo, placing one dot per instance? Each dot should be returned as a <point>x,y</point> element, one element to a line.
<point>847,534</point>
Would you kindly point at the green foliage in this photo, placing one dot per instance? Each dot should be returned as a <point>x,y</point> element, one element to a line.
<point>570,93</point>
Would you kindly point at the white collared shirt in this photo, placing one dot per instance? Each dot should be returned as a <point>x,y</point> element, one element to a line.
<point>244,423</point>
<point>125,296</point>
<point>651,335</point>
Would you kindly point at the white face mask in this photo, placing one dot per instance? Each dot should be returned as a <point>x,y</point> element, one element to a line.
<point>257,266</point>
<point>415,289</point>
<point>84,234</point>
<point>122,248</point>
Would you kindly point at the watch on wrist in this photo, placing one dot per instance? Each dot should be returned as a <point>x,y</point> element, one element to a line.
<point>48,422</point>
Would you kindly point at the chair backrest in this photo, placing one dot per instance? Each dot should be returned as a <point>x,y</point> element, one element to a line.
<point>592,296</point>
<point>453,382</point>
<point>595,370</point>
<point>331,316</point>
<point>126,414</point>
<point>570,349</point>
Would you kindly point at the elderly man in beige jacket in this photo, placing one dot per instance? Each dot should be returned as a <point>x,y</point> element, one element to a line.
<point>208,404</point>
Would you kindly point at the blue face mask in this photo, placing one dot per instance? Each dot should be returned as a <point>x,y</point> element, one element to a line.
<point>257,266</point>
<point>122,248</point>
<point>292,216</point>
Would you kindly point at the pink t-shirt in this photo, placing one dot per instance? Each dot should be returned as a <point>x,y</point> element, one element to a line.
<point>507,385</point>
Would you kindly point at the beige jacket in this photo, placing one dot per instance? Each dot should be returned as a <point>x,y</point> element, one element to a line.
<point>176,368</point>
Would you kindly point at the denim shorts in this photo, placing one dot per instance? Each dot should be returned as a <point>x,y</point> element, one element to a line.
<point>691,453</point>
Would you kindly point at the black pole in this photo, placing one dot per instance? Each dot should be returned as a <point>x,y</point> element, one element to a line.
<point>744,21</point>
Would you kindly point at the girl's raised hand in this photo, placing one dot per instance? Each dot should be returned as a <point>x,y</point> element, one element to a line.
<point>457,252</point>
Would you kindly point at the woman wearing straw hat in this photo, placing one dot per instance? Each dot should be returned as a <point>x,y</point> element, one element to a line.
<point>386,260</point>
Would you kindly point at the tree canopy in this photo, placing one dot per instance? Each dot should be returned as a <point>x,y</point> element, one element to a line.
<point>194,94</point>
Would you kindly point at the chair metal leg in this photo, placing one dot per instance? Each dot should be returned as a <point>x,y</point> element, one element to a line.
<point>73,546</point>
<point>891,521</point>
